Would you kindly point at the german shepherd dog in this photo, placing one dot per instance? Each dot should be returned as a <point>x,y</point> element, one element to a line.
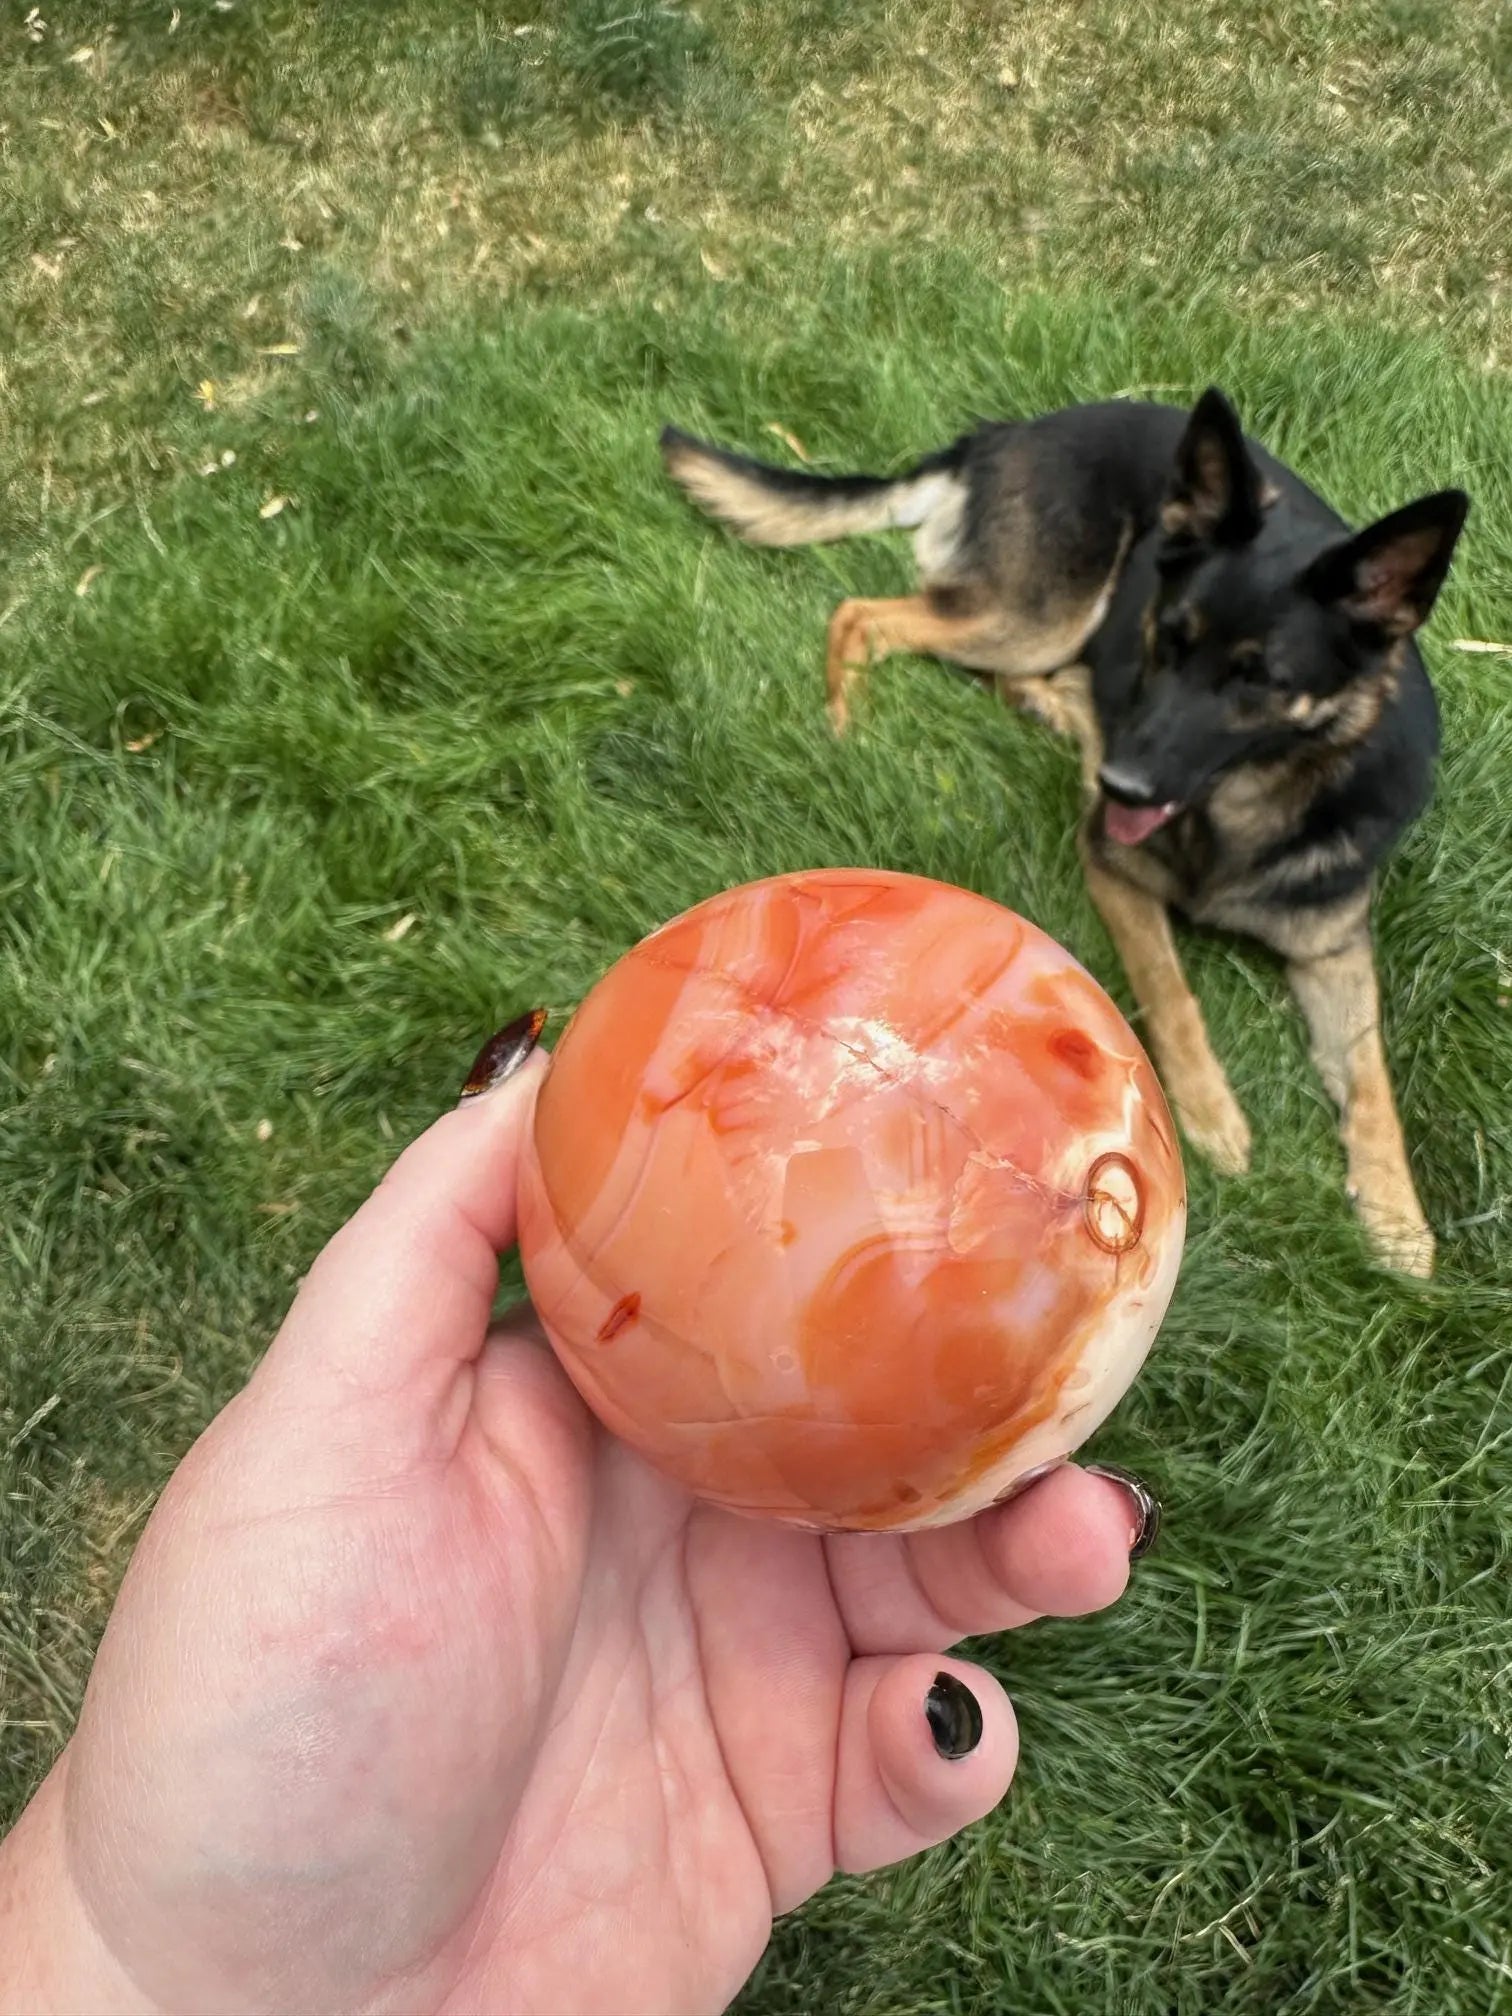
<point>1238,669</point>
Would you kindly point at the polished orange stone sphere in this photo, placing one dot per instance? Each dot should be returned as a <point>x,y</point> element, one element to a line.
<point>851,1200</point>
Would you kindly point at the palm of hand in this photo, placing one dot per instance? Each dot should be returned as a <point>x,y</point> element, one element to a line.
<point>446,1701</point>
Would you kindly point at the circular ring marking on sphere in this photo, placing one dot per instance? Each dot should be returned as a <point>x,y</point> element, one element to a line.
<point>1115,1206</point>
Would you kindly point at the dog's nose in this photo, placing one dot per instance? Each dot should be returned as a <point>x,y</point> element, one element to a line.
<point>1125,787</point>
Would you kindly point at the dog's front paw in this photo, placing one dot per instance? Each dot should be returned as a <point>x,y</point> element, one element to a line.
<point>1212,1120</point>
<point>1399,1233</point>
<point>1381,1187</point>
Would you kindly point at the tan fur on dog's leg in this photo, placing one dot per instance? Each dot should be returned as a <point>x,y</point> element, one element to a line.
<point>1194,1081</point>
<point>1140,926</point>
<point>848,653</point>
<point>862,633</point>
<point>1063,701</point>
<point>1340,998</point>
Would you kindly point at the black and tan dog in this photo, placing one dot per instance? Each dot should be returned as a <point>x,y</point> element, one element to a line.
<point>1256,724</point>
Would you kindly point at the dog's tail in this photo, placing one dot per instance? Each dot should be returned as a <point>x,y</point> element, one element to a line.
<point>790,507</point>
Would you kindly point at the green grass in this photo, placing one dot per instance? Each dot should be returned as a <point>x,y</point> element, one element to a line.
<point>484,672</point>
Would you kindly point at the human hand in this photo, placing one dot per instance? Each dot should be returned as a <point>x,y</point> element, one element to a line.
<point>423,1694</point>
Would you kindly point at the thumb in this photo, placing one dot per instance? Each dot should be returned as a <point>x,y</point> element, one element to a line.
<point>927,1745</point>
<point>401,1297</point>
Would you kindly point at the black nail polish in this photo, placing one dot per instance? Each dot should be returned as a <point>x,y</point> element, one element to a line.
<point>1146,1505</point>
<point>502,1055</point>
<point>954,1715</point>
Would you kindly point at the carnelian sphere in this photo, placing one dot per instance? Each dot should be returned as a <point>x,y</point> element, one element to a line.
<point>851,1200</point>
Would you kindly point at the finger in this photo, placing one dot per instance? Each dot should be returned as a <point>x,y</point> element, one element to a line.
<point>927,1746</point>
<point>404,1291</point>
<point>1060,1549</point>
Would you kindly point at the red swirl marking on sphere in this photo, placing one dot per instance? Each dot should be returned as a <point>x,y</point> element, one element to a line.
<point>624,1311</point>
<point>1077,1051</point>
<point>1114,1208</point>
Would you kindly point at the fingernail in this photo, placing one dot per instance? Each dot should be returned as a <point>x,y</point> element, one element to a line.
<point>502,1055</point>
<point>1146,1506</point>
<point>1021,1484</point>
<point>954,1715</point>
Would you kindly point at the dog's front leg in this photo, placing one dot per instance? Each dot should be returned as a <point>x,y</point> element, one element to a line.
<point>1341,1001</point>
<point>1140,927</point>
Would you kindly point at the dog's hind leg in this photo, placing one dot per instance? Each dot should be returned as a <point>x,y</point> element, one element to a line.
<point>1341,1000</point>
<point>862,632</point>
<point>1063,701</point>
<point>1026,659</point>
<point>1140,927</point>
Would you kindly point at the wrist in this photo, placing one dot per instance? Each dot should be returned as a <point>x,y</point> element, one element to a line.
<point>52,1960</point>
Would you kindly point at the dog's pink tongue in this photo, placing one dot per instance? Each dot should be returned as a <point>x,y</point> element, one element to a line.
<point>1129,824</point>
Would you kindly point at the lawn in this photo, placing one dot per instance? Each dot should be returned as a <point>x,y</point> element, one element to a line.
<point>362,683</point>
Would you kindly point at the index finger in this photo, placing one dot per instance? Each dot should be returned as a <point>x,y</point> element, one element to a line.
<point>1062,1548</point>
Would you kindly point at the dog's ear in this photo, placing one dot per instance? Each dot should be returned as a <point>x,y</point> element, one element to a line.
<point>1387,577</point>
<point>1216,495</point>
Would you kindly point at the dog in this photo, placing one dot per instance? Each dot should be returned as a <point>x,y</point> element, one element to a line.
<point>1238,668</point>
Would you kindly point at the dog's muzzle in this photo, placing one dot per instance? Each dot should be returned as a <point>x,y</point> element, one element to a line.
<point>1131,809</point>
